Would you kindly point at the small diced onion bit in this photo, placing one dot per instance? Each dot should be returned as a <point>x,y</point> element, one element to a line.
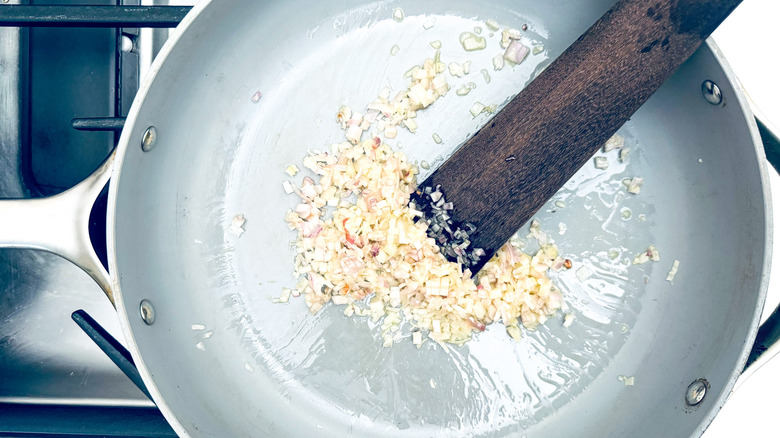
<point>359,239</point>
<point>394,50</point>
<point>673,271</point>
<point>472,42</point>
<point>498,62</point>
<point>237,225</point>
<point>292,169</point>
<point>627,380</point>
<point>650,254</point>
<point>463,90</point>
<point>624,155</point>
<point>492,25</point>
<point>398,14</point>
<point>615,142</point>
<point>476,109</point>
<point>635,185</point>
<point>601,162</point>
<point>436,138</point>
<point>456,69</point>
<point>516,52</point>
<point>485,75</point>
<point>436,44</point>
<point>509,35</point>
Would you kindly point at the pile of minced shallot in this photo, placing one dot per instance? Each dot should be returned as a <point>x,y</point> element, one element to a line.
<point>360,246</point>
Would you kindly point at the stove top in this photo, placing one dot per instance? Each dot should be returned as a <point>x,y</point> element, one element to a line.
<point>53,378</point>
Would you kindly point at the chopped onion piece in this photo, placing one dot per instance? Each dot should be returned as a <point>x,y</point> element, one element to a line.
<point>198,327</point>
<point>256,97</point>
<point>354,133</point>
<point>237,225</point>
<point>516,52</point>
<point>601,162</point>
<point>627,380</point>
<point>394,50</point>
<point>200,346</point>
<point>463,90</point>
<point>568,319</point>
<point>514,332</point>
<point>288,188</point>
<point>436,138</point>
<point>285,295</point>
<point>624,155</point>
<point>635,185</point>
<point>424,164</point>
<point>417,338</point>
<point>476,109</point>
<point>472,42</point>
<point>292,169</point>
<point>537,49</point>
<point>456,69</point>
<point>508,35</point>
<point>673,271</point>
<point>398,14</point>
<point>560,204</point>
<point>411,125</point>
<point>485,75</point>
<point>498,62</point>
<point>615,142</point>
<point>650,254</point>
<point>492,24</point>
<point>391,131</point>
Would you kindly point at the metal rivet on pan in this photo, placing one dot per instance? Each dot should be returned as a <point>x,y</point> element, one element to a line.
<point>149,139</point>
<point>711,92</point>
<point>147,312</point>
<point>696,392</point>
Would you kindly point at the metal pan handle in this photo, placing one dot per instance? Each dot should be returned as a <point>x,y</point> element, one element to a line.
<point>60,224</point>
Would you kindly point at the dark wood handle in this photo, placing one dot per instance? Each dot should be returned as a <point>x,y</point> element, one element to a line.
<point>556,124</point>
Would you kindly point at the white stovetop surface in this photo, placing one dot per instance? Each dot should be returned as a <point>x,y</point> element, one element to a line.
<point>749,39</point>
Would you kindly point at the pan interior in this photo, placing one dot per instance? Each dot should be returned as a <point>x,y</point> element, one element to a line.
<point>226,360</point>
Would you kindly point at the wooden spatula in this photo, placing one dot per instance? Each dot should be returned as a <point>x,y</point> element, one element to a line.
<point>503,175</point>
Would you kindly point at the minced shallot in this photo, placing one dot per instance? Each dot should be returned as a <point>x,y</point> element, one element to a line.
<point>360,244</point>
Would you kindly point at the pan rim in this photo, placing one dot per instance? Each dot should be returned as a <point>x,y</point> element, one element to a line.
<point>121,149</point>
<point>768,235</point>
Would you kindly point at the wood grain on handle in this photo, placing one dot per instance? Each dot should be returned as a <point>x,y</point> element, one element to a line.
<point>556,124</point>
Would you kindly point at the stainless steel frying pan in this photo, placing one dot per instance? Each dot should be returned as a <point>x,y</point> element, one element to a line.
<point>220,359</point>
